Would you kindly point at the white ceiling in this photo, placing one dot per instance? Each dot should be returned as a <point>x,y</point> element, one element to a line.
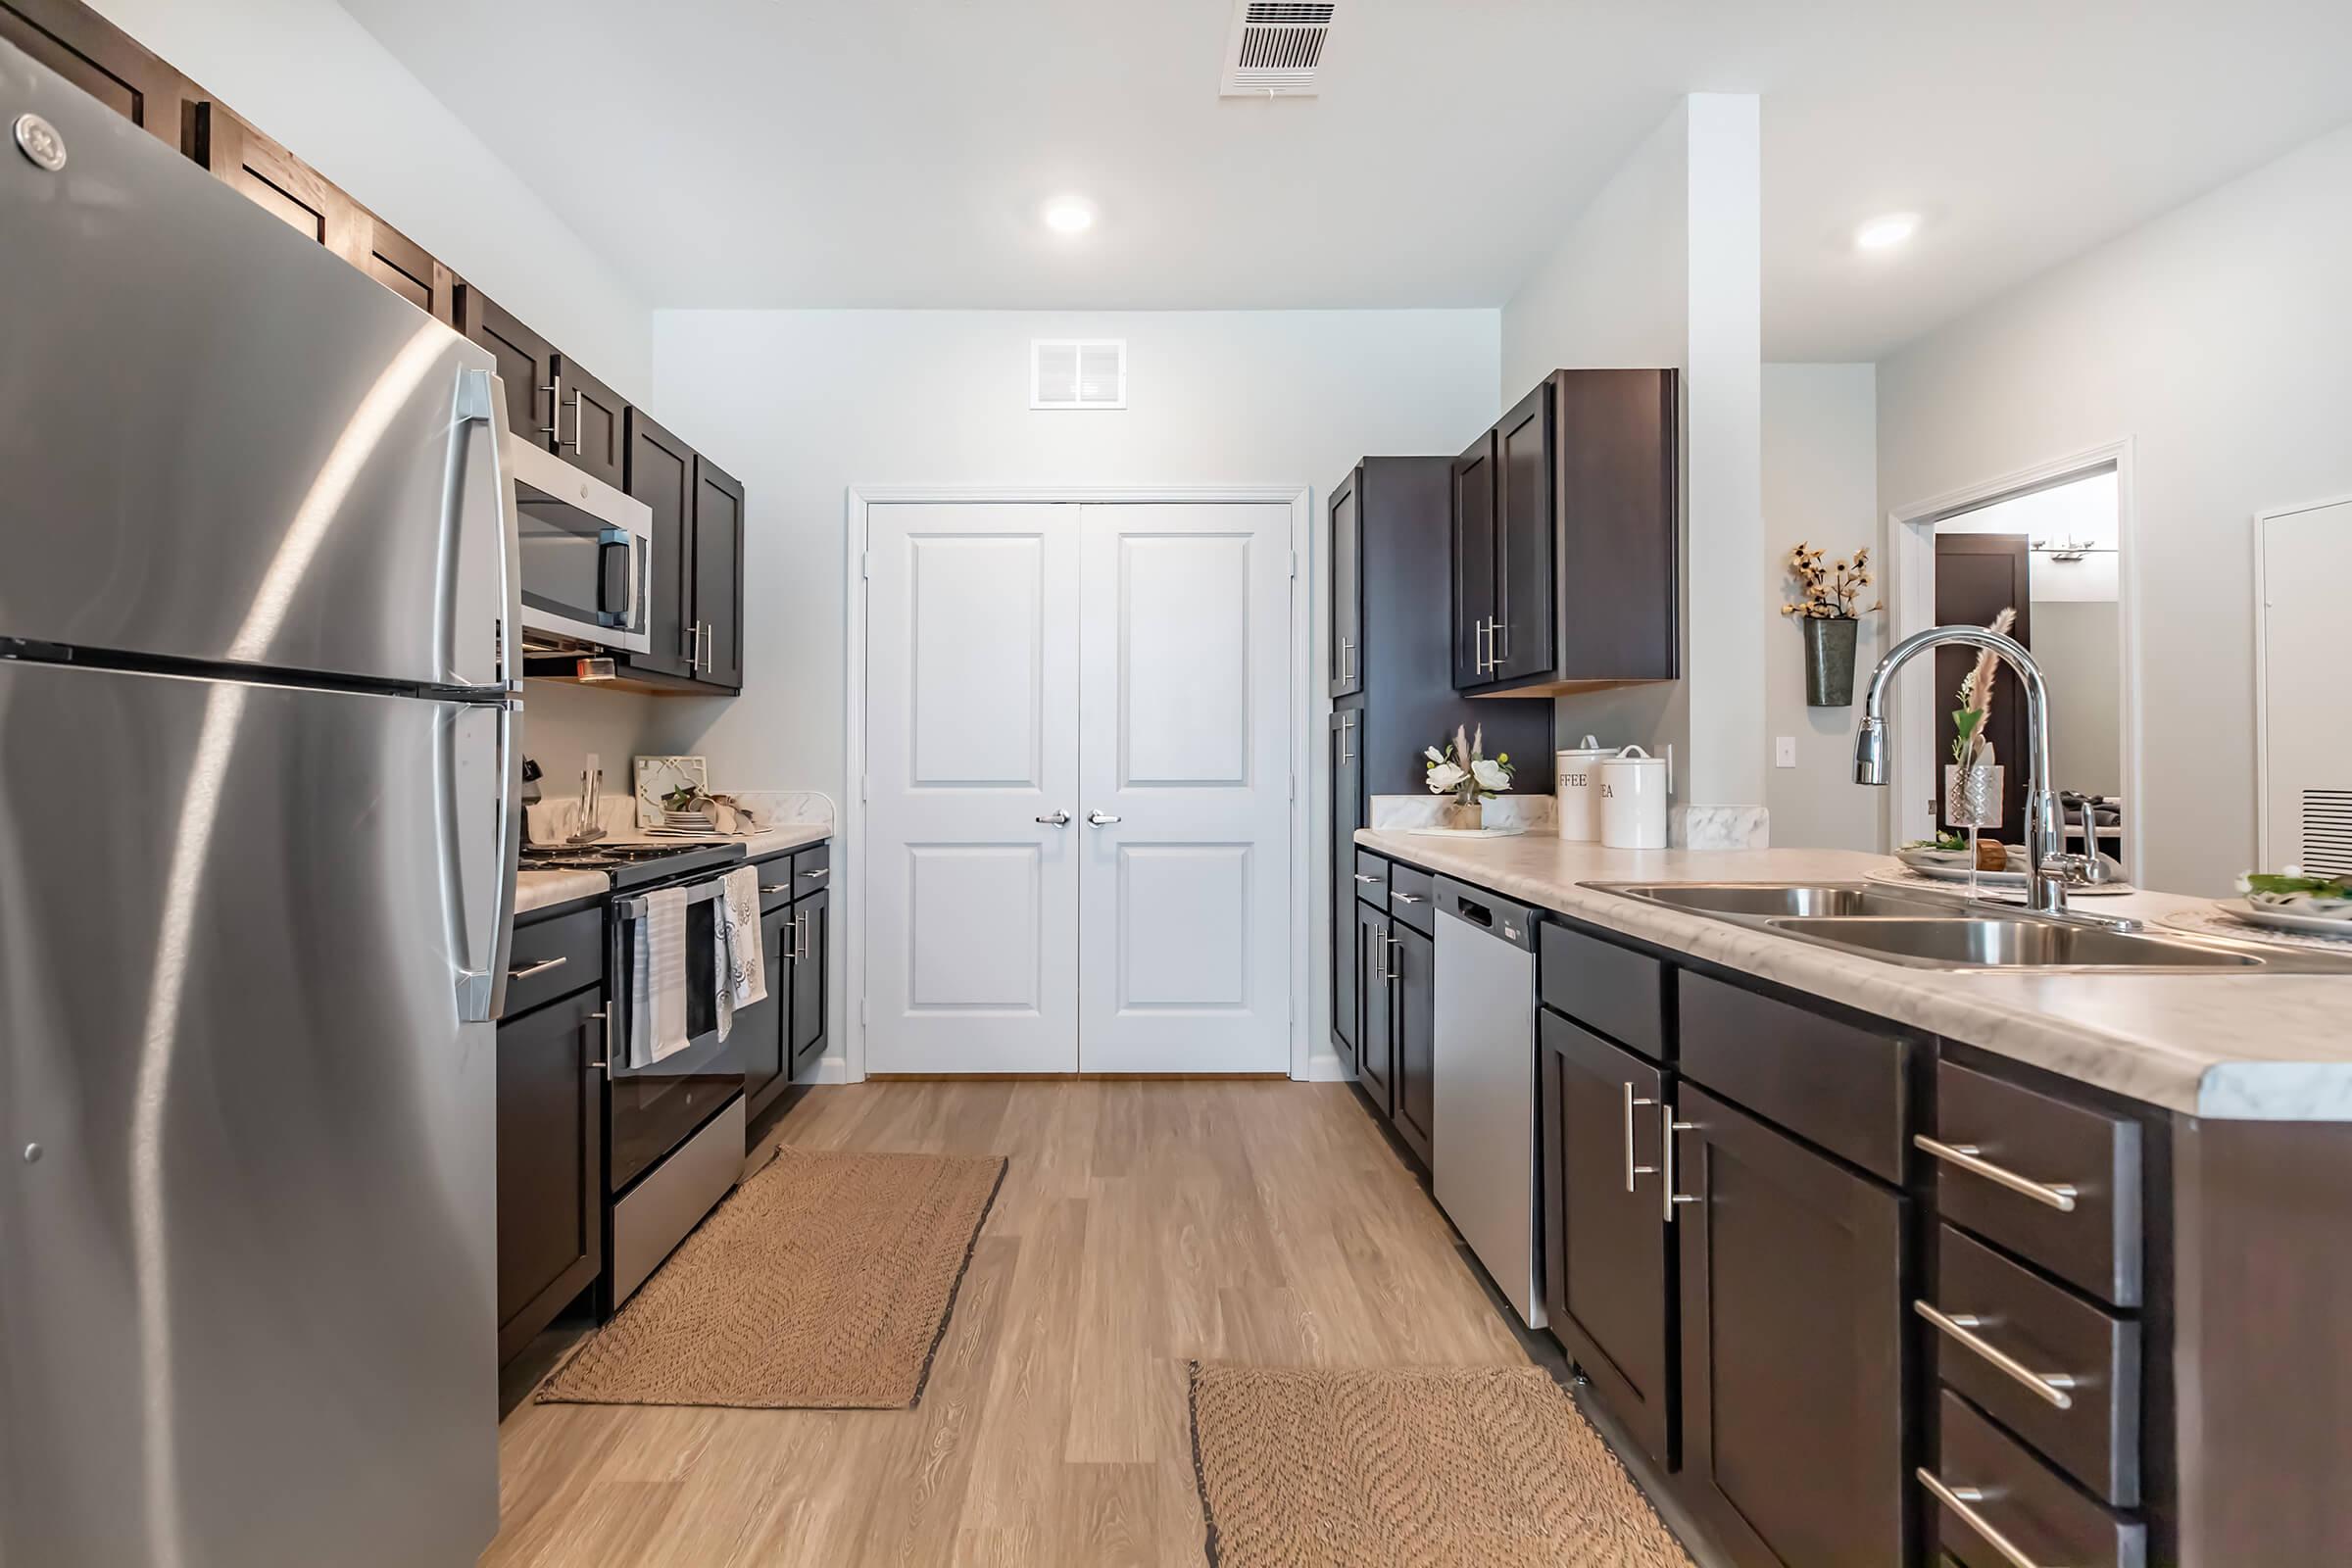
<point>889,153</point>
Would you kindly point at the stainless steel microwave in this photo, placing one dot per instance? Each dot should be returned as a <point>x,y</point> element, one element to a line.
<point>587,554</point>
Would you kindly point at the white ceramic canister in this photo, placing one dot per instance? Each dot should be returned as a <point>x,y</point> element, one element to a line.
<point>1633,799</point>
<point>1579,790</point>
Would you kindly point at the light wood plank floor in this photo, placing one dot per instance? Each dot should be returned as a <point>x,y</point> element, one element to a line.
<point>1141,1225</point>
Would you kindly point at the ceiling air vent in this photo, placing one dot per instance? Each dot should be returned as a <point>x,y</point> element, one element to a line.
<point>1078,373</point>
<point>1275,47</point>
<point>2328,832</point>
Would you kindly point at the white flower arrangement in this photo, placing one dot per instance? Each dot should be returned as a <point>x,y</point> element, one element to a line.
<point>1459,770</point>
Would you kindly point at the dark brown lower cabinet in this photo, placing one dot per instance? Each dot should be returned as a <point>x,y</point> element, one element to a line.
<point>808,968</point>
<point>762,1025</point>
<point>1792,1335</point>
<point>1413,1033</point>
<point>1606,1271</point>
<point>550,1118</point>
<point>1375,1072</point>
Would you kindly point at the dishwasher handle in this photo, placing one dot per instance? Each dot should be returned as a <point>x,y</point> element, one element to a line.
<point>1485,912</point>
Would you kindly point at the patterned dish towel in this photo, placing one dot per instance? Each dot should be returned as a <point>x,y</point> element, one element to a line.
<point>742,968</point>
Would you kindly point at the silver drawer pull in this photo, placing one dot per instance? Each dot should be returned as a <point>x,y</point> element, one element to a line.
<point>1958,1499</point>
<point>1408,898</point>
<point>822,869</point>
<point>775,886</point>
<point>1962,1326</point>
<point>543,967</point>
<point>1365,877</point>
<point>2057,1194</point>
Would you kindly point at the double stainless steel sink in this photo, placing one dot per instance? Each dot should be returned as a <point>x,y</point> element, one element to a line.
<point>1929,931</point>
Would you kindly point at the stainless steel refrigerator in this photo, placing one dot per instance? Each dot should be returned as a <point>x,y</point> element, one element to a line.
<point>257,786</point>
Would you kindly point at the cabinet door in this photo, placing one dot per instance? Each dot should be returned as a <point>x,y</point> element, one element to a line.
<point>1792,1345</point>
<point>1521,645</point>
<point>718,572</point>
<point>809,988</point>
<point>1605,1262</point>
<point>1347,815</point>
<point>762,1026</point>
<point>103,60</point>
<point>281,184</point>
<point>592,424</point>
<point>407,269</point>
<point>1375,1044</point>
<point>1347,588</point>
<point>661,473</point>
<point>526,362</point>
<point>1473,567</point>
<point>1414,1026</point>
<point>551,1118</point>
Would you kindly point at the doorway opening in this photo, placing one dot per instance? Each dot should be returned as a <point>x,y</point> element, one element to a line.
<point>2052,550</point>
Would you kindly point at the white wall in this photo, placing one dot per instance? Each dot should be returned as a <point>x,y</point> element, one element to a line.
<point>1819,470</point>
<point>2219,338</point>
<point>1661,268</point>
<point>314,80</point>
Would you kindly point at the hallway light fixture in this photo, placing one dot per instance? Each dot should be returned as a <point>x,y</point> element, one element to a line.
<point>1070,214</point>
<point>1887,231</point>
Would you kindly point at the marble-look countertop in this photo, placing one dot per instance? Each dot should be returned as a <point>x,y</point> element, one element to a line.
<point>543,890</point>
<point>2228,1045</point>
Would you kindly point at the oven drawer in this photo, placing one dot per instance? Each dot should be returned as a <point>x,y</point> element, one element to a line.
<point>812,869</point>
<point>650,1223</point>
<point>2001,1329</point>
<point>776,888</point>
<point>1984,1487</point>
<point>2056,1183</point>
<point>552,958</point>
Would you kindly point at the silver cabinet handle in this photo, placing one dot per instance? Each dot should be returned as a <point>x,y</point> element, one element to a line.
<point>555,408</point>
<point>1102,818</point>
<point>1667,1128</point>
<point>1478,645</point>
<point>1347,659</point>
<point>800,935</point>
<point>819,874</point>
<point>1347,723</point>
<point>1633,1170</point>
<point>2057,1194</point>
<point>775,886</point>
<point>1365,877</point>
<point>543,967</point>
<point>1958,1499</point>
<point>1499,642</point>
<point>1380,954</point>
<point>1396,971</point>
<point>1961,1326</point>
<point>575,421</point>
<point>691,636</point>
<point>1408,898</point>
<point>1058,819</point>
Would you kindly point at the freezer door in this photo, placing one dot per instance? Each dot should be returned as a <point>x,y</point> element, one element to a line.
<point>247,1213</point>
<point>221,442</point>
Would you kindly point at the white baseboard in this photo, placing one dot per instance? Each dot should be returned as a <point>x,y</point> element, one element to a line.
<point>1324,1067</point>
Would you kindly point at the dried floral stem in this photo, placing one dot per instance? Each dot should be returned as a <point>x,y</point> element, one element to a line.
<point>1828,593</point>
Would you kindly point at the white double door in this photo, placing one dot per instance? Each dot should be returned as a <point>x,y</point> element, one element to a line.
<point>1078,787</point>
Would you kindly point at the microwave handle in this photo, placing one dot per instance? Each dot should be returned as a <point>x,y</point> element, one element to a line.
<point>634,562</point>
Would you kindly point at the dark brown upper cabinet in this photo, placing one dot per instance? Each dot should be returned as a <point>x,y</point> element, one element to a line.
<point>591,424</point>
<point>526,362</point>
<point>1347,587</point>
<point>104,62</point>
<point>661,473</point>
<point>407,269</point>
<point>1565,524</point>
<point>718,573</point>
<point>265,174</point>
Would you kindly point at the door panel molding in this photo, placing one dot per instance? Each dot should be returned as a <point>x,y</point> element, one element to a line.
<point>1291,765</point>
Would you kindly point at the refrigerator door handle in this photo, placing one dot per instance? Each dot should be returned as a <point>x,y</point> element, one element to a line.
<point>486,940</point>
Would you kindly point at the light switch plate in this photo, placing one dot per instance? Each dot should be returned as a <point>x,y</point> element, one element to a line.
<point>1784,751</point>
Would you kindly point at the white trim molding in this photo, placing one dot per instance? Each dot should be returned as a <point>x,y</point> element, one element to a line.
<point>1914,778</point>
<point>848,892</point>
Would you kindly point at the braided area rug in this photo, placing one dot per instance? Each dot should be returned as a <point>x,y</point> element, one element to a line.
<point>1480,1467</point>
<point>822,1283</point>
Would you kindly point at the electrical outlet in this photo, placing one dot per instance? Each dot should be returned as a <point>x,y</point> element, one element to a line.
<point>1784,752</point>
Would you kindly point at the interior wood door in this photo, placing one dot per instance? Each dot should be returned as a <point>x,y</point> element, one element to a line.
<point>1978,576</point>
<point>1525,473</point>
<point>1473,574</point>
<point>971,732</point>
<point>1184,787</point>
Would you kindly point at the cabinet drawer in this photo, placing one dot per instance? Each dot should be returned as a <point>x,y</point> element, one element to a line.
<point>775,882</point>
<point>1371,878</point>
<point>1612,990</point>
<point>1840,1086</point>
<point>2054,1182</point>
<point>1991,1308</point>
<point>2009,1493</point>
<point>552,958</point>
<point>812,869</point>
<point>1413,899</point>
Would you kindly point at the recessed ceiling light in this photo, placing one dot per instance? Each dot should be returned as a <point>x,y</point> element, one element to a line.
<point>1882,234</point>
<point>1070,214</point>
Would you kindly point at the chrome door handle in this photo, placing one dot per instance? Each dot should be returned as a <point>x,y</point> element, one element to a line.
<point>543,967</point>
<point>1667,1128</point>
<point>2051,1386</point>
<point>1102,818</point>
<point>575,421</point>
<point>1958,1499</point>
<point>1633,1170</point>
<point>1058,819</point>
<point>555,408</point>
<point>2057,1194</point>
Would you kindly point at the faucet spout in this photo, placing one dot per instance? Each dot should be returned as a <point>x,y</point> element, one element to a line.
<point>2044,874</point>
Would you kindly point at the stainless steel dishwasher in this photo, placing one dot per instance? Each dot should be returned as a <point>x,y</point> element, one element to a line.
<point>1483,1136</point>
